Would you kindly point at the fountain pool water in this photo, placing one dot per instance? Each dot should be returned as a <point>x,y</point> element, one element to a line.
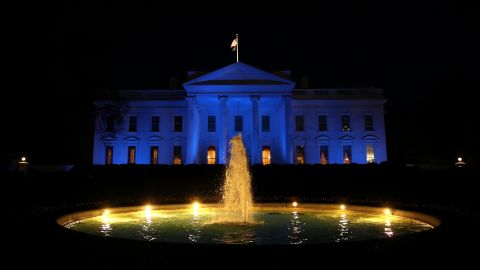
<point>275,224</point>
<point>238,221</point>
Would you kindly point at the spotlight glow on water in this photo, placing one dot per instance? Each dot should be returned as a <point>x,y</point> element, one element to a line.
<point>196,209</point>
<point>275,224</point>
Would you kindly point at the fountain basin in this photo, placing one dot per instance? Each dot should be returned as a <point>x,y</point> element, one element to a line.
<point>273,224</point>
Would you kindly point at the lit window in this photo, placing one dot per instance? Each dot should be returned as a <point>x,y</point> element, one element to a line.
<point>300,155</point>
<point>299,123</point>
<point>109,155</point>
<point>265,123</point>
<point>110,124</point>
<point>345,123</point>
<point>368,123</point>
<point>212,123</point>
<point>347,154</point>
<point>238,123</point>
<point>266,155</point>
<point>324,154</point>
<point>131,154</point>
<point>211,155</point>
<point>154,155</point>
<point>322,123</point>
<point>132,124</point>
<point>177,154</point>
<point>155,123</point>
<point>370,153</point>
<point>177,123</point>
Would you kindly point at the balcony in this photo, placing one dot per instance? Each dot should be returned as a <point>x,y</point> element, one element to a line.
<point>353,93</point>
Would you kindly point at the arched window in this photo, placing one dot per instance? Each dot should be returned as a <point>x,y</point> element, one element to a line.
<point>109,155</point>
<point>132,150</point>
<point>177,154</point>
<point>211,155</point>
<point>347,154</point>
<point>300,155</point>
<point>370,153</point>
<point>266,155</point>
<point>324,154</point>
<point>154,155</point>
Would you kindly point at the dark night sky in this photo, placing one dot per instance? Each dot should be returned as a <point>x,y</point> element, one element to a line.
<point>425,56</point>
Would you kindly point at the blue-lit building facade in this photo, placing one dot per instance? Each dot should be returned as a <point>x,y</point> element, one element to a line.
<point>279,124</point>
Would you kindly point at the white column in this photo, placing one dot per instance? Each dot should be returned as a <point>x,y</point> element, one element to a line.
<point>255,151</point>
<point>196,132</point>
<point>191,153</point>
<point>222,130</point>
<point>287,136</point>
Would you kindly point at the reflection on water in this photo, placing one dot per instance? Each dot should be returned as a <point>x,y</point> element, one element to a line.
<point>106,228</point>
<point>234,234</point>
<point>344,232</point>
<point>194,230</point>
<point>296,230</point>
<point>388,227</point>
<point>148,231</point>
<point>245,236</point>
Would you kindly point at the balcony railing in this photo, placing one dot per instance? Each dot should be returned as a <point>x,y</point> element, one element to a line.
<point>153,94</point>
<point>352,93</point>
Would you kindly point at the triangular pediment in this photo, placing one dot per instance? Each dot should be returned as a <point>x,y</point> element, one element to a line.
<point>155,138</point>
<point>131,139</point>
<point>177,139</point>
<point>239,74</point>
<point>299,139</point>
<point>109,138</point>
<point>323,138</point>
<point>369,138</point>
<point>346,138</point>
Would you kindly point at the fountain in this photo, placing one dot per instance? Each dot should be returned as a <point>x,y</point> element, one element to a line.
<point>237,190</point>
<point>238,221</point>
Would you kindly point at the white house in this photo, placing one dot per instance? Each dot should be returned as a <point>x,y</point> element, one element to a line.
<point>279,124</point>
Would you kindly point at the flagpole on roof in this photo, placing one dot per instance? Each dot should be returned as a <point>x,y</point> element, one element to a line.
<point>237,48</point>
<point>234,45</point>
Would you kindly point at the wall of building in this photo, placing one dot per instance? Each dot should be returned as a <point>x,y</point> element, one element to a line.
<point>311,138</point>
<point>195,137</point>
<point>143,138</point>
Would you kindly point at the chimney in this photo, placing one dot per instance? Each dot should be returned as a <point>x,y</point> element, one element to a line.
<point>304,82</point>
<point>173,83</point>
